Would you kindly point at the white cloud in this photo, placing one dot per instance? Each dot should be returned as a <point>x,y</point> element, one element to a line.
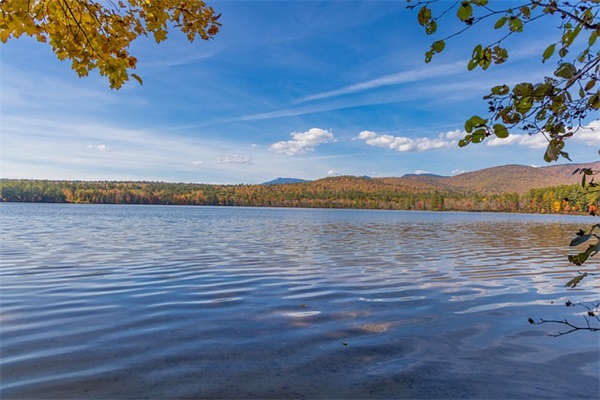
<point>537,141</point>
<point>421,172</point>
<point>100,147</point>
<point>197,162</point>
<point>456,134</point>
<point>458,171</point>
<point>589,134</point>
<point>234,159</point>
<point>406,144</point>
<point>302,142</point>
<point>332,172</point>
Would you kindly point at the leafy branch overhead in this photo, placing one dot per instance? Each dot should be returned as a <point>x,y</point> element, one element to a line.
<point>592,240</point>
<point>98,34</point>
<point>591,317</point>
<point>554,107</point>
<point>592,237</point>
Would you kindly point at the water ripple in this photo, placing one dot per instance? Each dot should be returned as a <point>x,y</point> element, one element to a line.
<point>193,302</point>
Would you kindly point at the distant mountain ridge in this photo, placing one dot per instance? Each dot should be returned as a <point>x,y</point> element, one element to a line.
<point>503,189</point>
<point>518,178</point>
<point>495,180</point>
<point>283,181</point>
<point>425,175</point>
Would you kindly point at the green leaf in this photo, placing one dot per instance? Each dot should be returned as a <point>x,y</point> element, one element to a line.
<point>428,56</point>
<point>472,64</point>
<point>591,83</point>
<point>593,37</point>
<point>583,56</point>
<point>541,115</point>
<point>553,150</point>
<point>424,15</point>
<point>501,131</point>
<point>523,89</point>
<point>570,35</point>
<point>469,125</point>
<point>464,142</point>
<point>542,90</point>
<point>500,23</point>
<point>524,105</point>
<point>565,70</point>
<point>137,78</point>
<point>465,11</point>
<point>564,154</point>
<point>431,27</point>
<point>478,135</point>
<point>515,25</point>
<point>575,33</point>
<point>438,46</point>
<point>500,90</point>
<point>563,52</point>
<point>477,121</point>
<point>500,54</point>
<point>548,52</point>
<point>486,58</point>
<point>594,101</point>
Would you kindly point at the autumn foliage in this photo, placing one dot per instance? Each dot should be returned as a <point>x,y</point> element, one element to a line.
<point>336,192</point>
<point>98,34</point>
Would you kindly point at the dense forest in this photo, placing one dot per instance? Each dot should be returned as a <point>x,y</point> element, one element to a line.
<point>336,192</point>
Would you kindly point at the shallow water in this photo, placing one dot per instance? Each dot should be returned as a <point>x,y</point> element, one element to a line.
<point>101,301</point>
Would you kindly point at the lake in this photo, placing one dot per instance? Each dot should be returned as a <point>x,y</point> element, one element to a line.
<point>148,302</point>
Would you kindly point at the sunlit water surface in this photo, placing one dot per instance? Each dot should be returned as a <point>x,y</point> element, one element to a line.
<point>196,302</point>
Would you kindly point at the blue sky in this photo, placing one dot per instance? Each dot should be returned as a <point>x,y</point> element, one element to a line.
<point>292,89</point>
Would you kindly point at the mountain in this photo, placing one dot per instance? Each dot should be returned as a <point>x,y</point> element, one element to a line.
<point>426,175</point>
<point>506,188</point>
<point>504,179</point>
<point>283,181</point>
<point>518,178</point>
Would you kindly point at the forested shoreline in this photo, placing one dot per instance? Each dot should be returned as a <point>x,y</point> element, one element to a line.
<point>338,192</point>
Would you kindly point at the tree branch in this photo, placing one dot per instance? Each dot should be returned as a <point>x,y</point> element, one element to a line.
<point>567,14</point>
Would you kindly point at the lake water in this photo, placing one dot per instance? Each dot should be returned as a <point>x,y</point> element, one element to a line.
<point>114,302</point>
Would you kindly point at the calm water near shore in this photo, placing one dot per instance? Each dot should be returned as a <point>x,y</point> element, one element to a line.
<point>148,302</point>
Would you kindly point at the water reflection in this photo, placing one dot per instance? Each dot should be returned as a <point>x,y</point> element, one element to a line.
<point>135,302</point>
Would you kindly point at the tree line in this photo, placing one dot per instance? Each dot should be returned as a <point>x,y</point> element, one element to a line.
<point>339,192</point>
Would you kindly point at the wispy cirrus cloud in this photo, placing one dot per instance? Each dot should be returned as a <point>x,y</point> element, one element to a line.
<point>389,80</point>
<point>302,142</point>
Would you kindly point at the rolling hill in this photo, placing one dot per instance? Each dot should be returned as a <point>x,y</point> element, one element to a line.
<point>504,179</point>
